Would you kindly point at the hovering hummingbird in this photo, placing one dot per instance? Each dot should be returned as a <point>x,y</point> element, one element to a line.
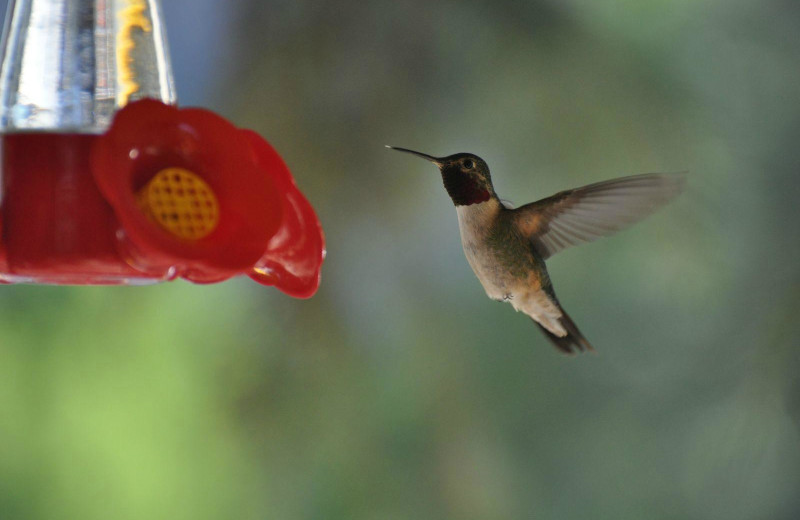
<point>507,247</point>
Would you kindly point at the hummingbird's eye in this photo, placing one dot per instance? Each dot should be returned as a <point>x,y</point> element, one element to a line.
<point>468,164</point>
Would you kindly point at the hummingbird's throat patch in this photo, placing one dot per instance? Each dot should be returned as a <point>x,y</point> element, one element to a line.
<point>465,190</point>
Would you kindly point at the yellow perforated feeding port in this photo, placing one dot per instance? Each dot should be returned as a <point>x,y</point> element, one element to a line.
<point>181,203</point>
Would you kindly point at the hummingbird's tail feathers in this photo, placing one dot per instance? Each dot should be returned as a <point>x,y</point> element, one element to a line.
<point>570,344</point>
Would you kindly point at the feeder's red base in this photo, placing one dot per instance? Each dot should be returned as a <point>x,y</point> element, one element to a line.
<point>56,226</point>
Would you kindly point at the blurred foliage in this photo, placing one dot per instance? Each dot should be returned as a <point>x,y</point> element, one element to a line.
<point>400,391</point>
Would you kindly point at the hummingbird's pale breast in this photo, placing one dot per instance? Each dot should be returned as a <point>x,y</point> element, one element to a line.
<point>505,263</point>
<point>475,223</point>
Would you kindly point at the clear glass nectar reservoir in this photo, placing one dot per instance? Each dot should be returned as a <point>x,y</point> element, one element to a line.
<point>68,65</point>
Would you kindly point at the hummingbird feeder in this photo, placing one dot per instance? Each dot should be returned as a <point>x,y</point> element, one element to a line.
<point>106,181</point>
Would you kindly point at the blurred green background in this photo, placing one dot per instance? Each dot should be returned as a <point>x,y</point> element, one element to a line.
<point>400,391</point>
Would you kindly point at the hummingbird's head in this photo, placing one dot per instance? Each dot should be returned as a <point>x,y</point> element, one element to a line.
<point>466,176</point>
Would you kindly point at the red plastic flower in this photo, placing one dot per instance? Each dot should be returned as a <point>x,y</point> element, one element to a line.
<point>295,253</point>
<point>198,198</point>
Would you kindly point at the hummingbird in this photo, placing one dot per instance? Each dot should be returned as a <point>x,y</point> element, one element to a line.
<point>507,247</point>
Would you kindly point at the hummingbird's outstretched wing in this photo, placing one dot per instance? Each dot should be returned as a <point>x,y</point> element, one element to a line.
<point>572,217</point>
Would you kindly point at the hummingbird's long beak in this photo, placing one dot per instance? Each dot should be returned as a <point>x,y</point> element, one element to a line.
<point>434,160</point>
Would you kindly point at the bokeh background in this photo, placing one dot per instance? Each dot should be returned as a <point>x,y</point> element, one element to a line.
<point>400,391</point>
